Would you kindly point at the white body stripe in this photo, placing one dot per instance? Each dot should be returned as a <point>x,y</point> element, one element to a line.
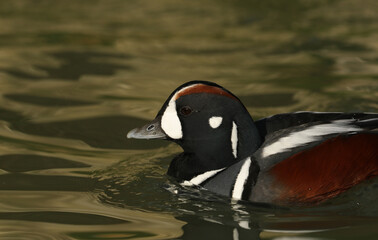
<point>235,234</point>
<point>241,179</point>
<point>234,140</point>
<point>197,180</point>
<point>311,134</point>
<point>215,122</point>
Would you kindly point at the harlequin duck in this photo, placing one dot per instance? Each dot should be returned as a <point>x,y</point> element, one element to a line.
<point>290,158</point>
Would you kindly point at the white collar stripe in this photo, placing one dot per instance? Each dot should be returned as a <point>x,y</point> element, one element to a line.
<point>197,180</point>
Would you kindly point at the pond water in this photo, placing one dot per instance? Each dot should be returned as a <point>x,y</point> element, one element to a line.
<point>76,76</point>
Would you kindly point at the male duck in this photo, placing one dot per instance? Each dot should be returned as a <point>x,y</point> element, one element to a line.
<point>290,158</point>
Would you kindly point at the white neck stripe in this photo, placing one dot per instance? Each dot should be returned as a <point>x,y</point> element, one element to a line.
<point>234,140</point>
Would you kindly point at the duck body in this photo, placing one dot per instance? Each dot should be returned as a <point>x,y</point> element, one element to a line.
<point>286,159</point>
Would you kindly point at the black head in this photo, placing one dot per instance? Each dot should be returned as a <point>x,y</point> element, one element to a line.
<point>211,125</point>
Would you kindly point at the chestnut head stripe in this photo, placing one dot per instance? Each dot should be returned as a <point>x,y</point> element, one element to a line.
<point>202,88</point>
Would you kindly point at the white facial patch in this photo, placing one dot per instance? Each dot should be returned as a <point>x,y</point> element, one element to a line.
<point>311,134</point>
<point>215,121</point>
<point>234,140</point>
<point>241,179</point>
<point>170,122</point>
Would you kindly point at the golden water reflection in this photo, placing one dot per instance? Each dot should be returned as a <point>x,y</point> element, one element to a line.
<point>76,76</point>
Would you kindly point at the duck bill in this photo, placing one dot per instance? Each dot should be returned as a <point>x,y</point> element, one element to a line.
<point>151,130</point>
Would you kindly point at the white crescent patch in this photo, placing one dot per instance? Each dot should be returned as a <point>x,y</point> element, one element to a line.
<point>170,122</point>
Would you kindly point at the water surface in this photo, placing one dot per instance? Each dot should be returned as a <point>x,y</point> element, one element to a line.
<point>76,76</point>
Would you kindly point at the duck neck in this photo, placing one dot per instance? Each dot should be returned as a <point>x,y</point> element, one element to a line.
<point>248,136</point>
<point>221,151</point>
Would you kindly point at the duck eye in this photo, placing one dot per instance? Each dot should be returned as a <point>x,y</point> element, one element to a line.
<point>186,110</point>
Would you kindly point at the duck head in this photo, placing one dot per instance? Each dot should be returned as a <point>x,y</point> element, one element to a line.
<point>210,124</point>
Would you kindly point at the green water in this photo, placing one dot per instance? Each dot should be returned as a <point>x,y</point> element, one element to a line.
<point>76,76</point>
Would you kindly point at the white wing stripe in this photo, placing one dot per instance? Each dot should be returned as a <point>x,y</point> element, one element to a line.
<point>311,134</point>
